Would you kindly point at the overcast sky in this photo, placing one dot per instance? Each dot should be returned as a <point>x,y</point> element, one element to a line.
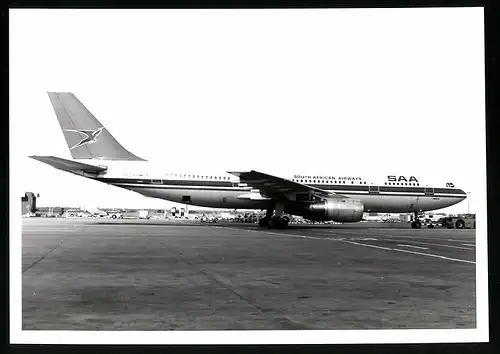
<point>338,92</point>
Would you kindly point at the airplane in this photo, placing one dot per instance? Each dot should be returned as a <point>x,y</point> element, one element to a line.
<point>340,198</point>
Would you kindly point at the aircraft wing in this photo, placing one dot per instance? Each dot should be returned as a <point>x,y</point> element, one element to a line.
<point>277,187</point>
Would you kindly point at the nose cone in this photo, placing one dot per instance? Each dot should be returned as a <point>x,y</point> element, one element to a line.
<point>462,194</point>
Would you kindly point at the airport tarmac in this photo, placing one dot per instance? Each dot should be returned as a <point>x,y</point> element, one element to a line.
<point>100,274</point>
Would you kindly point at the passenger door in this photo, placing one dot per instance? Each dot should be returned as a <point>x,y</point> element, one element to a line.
<point>373,190</point>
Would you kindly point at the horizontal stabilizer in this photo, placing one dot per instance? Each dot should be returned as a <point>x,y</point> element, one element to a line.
<point>69,165</point>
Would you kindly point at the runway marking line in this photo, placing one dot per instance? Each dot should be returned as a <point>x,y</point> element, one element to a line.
<point>357,243</point>
<point>412,246</point>
<point>378,233</point>
<point>414,252</point>
<point>467,244</point>
<point>433,244</point>
<point>435,255</point>
<point>368,245</point>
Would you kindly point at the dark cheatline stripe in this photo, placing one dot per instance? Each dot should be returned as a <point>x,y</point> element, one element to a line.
<point>449,191</point>
<point>343,187</point>
<point>160,187</point>
<point>169,182</point>
<point>247,189</point>
<point>348,189</point>
<point>402,189</point>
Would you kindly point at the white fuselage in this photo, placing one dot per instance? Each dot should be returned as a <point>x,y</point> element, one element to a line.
<point>224,190</point>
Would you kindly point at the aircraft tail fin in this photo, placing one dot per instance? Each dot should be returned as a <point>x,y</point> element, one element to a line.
<point>86,137</point>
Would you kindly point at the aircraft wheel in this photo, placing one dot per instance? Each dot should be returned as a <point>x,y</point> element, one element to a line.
<point>459,224</point>
<point>413,225</point>
<point>283,222</point>
<point>418,224</point>
<point>264,221</point>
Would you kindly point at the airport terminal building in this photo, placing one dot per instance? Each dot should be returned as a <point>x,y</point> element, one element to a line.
<point>28,203</point>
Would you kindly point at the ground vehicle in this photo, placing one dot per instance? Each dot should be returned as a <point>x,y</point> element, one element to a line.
<point>114,215</point>
<point>210,218</point>
<point>467,221</point>
<point>431,220</point>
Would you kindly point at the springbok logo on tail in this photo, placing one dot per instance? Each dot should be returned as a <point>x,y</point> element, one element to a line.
<point>89,136</point>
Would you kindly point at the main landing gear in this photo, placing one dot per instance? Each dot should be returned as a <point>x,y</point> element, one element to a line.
<point>277,221</point>
<point>274,222</point>
<point>416,224</point>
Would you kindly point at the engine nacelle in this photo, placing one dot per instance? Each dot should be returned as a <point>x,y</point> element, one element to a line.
<point>336,209</point>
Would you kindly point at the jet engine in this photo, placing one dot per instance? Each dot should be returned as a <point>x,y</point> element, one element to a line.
<point>335,209</point>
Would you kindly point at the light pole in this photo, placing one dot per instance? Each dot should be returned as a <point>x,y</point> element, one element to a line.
<point>468,203</point>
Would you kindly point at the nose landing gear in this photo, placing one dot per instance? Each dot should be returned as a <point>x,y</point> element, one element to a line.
<point>416,224</point>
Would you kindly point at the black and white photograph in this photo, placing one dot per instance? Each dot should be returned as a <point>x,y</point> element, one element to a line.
<point>245,176</point>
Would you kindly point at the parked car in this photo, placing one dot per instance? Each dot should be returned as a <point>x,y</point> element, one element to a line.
<point>210,219</point>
